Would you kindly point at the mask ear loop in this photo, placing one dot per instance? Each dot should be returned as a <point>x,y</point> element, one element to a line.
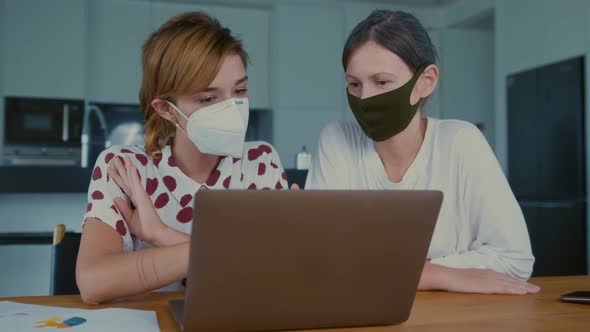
<point>176,123</point>
<point>182,130</point>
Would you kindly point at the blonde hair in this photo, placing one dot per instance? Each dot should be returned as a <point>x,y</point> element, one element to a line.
<point>181,58</point>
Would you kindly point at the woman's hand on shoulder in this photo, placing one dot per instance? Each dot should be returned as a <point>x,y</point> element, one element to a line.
<point>142,217</point>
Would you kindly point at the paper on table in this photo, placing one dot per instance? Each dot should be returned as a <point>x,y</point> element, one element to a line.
<point>20,317</point>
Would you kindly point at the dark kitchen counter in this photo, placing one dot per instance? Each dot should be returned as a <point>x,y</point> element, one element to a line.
<point>44,179</point>
<point>69,179</point>
<point>7,239</point>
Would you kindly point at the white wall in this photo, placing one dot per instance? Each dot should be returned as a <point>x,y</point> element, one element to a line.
<point>115,32</point>
<point>43,51</point>
<point>466,10</point>
<point>467,77</point>
<point>433,107</point>
<point>307,91</point>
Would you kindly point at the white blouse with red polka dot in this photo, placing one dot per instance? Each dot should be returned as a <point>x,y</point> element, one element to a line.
<point>171,190</point>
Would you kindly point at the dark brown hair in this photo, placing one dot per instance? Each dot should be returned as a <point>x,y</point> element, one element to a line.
<point>396,31</point>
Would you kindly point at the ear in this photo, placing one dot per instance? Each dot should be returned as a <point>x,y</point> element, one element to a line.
<point>165,110</point>
<point>428,81</point>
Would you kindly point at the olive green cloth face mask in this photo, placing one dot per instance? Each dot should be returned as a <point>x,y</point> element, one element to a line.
<point>388,114</point>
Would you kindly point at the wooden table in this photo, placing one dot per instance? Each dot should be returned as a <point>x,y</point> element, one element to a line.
<point>433,311</point>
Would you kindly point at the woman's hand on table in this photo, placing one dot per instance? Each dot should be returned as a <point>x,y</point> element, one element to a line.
<point>482,281</point>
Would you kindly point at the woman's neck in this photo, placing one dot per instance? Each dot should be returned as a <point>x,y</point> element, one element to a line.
<point>399,152</point>
<point>192,162</point>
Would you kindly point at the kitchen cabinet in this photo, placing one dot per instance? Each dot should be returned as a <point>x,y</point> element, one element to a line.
<point>92,49</point>
<point>27,270</point>
<point>43,48</point>
<point>27,266</point>
<point>116,32</point>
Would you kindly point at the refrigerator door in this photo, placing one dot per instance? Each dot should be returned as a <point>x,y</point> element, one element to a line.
<point>558,236</point>
<point>546,132</point>
<point>523,163</point>
<point>560,130</point>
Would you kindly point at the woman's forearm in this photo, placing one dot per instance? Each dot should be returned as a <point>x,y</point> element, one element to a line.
<point>171,237</point>
<point>124,274</point>
<point>434,277</point>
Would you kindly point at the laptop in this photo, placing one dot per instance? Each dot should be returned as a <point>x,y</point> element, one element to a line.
<point>293,260</point>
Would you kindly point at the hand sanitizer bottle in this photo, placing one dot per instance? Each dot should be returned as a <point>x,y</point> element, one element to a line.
<point>303,159</point>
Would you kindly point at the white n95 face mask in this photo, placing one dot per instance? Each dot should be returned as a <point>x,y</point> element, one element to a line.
<point>219,129</point>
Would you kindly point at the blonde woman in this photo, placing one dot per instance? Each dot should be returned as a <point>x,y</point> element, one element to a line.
<point>194,98</point>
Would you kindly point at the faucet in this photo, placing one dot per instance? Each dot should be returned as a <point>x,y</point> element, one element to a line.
<point>86,131</point>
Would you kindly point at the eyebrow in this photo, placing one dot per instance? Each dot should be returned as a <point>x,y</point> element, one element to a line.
<point>213,89</point>
<point>385,74</point>
<point>242,80</point>
<point>373,76</point>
